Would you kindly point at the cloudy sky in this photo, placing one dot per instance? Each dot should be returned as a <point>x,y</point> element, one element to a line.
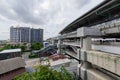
<point>50,15</point>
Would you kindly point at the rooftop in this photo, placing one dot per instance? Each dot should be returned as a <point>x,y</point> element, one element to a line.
<point>11,64</point>
<point>10,50</point>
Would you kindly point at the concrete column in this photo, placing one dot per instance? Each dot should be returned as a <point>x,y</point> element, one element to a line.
<point>53,42</point>
<point>86,45</point>
<point>79,57</point>
<point>59,46</point>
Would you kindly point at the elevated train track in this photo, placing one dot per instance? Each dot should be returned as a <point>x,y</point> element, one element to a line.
<point>96,35</point>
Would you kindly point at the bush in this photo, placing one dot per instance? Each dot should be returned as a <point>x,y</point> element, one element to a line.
<point>7,46</point>
<point>22,47</point>
<point>36,46</point>
<point>45,73</point>
<point>32,55</point>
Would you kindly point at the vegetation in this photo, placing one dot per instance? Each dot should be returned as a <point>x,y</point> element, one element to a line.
<point>45,73</point>
<point>32,55</point>
<point>7,46</point>
<point>36,46</point>
<point>22,48</point>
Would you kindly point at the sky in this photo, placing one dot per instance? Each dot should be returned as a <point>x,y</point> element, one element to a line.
<point>50,15</point>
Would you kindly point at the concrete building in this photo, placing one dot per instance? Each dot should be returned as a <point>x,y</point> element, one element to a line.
<point>94,41</point>
<point>14,34</point>
<point>10,53</point>
<point>36,35</point>
<point>25,34</point>
<point>11,64</point>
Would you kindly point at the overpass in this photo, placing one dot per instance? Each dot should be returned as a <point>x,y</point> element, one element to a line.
<point>96,38</point>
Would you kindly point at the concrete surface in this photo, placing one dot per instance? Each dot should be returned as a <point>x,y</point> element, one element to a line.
<point>104,60</point>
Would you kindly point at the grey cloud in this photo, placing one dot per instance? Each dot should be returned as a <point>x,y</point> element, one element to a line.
<point>81,3</point>
<point>23,10</point>
<point>57,15</point>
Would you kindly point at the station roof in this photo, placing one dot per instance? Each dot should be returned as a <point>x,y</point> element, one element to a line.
<point>10,51</point>
<point>101,13</point>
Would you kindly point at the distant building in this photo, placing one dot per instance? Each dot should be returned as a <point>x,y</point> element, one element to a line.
<point>36,35</point>
<point>25,34</point>
<point>10,53</point>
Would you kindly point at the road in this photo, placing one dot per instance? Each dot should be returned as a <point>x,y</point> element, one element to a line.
<point>25,56</point>
<point>30,62</point>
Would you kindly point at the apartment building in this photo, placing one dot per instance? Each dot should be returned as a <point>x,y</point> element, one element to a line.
<point>25,34</point>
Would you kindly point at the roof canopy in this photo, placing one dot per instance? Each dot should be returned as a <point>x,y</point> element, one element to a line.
<point>10,51</point>
<point>107,10</point>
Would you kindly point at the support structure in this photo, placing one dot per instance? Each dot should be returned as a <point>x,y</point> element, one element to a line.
<point>59,46</point>
<point>87,71</point>
<point>85,64</point>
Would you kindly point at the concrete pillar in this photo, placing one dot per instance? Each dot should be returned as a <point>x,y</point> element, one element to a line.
<point>52,42</point>
<point>79,57</point>
<point>86,45</point>
<point>59,46</point>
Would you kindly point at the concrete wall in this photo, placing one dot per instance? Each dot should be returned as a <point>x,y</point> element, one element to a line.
<point>10,75</point>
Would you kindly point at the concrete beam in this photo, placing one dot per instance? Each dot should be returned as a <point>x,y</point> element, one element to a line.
<point>93,74</point>
<point>111,30</point>
<point>105,60</point>
<point>59,46</point>
<point>85,31</point>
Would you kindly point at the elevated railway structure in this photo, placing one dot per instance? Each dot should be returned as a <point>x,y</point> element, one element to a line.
<point>95,37</point>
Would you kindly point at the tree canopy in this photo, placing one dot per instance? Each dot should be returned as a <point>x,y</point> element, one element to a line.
<point>46,73</point>
<point>36,46</point>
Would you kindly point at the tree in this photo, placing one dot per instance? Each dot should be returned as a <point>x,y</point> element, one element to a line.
<point>8,46</point>
<point>36,46</point>
<point>46,73</point>
<point>22,48</point>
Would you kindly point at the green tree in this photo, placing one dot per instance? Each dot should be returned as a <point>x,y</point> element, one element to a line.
<point>22,47</point>
<point>46,73</point>
<point>36,46</point>
<point>7,46</point>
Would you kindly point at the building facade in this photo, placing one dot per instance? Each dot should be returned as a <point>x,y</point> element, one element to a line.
<point>94,41</point>
<point>25,34</point>
<point>36,35</point>
<point>10,53</point>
